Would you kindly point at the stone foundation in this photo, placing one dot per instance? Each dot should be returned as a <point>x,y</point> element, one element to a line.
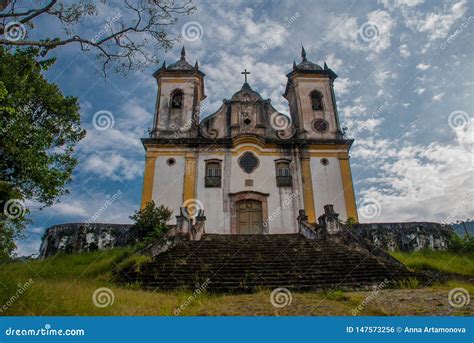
<point>410,236</point>
<point>81,237</point>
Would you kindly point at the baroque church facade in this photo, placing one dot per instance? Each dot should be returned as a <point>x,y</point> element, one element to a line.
<point>249,167</point>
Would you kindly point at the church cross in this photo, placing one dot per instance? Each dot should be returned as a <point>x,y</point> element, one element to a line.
<point>245,72</point>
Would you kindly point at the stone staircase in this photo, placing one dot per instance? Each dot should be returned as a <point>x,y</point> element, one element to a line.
<point>244,263</point>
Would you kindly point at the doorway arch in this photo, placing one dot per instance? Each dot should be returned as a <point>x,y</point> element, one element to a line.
<point>249,210</point>
<point>249,217</point>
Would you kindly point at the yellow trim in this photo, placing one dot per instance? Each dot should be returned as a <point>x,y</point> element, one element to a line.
<point>308,195</point>
<point>256,150</point>
<point>243,144</point>
<point>189,188</point>
<point>250,139</point>
<point>349,196</point>
<point>148,178</point>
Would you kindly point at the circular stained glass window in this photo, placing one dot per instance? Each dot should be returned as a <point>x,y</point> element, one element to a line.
<point>320,125</point>
<point>248,162</point>
<point>171,161</point>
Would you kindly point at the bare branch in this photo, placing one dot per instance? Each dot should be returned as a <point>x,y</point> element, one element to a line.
<point>128,40</point>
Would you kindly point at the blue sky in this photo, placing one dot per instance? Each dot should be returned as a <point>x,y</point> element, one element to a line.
<point>404,92</point>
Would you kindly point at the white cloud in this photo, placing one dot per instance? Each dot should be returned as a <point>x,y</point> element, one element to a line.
<point>404,51</point>
<point>381,76</point>
<point>438,24</point>
<point>351,111</point>
<point>334,62</point>
<point>70,208</point>
<point>438,97</point>
<point>420,91</point>
<point>416,182</point>
<point>423,66</point>
<point>372,36</point>
<point>342,85</point>
<point>113,166</point>
<point>392,4</point>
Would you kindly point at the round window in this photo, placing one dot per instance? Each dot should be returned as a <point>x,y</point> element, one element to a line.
<point>324,161</point>
<point>171,161</point>
<point>320,125</point>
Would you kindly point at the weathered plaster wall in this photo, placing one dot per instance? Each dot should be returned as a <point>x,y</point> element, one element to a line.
<point>304,87</point>
<point>82,237</point>
<point>283,202</point>
<point>168,184</point>
<point>406,236</point>
<point>327,186</point>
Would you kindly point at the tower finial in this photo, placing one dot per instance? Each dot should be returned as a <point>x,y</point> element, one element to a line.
<point>294,65</point>
<point>196,65</point>
<point>245,73</point>
<point>183,53</point>
<point>303,53</point>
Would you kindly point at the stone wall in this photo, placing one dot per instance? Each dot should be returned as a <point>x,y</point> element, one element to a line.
<point>82,237</point>
<point>410,236</point>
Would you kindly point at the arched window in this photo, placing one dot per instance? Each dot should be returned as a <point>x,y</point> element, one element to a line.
<point>177,99</point>
<point>213,173</point>
<point>283,173</point>
<point>316,101</point>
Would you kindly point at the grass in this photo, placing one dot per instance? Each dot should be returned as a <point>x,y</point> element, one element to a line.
<point>443,261</point>
<point>65,284</point>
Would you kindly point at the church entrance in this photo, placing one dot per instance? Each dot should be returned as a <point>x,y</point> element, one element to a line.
<point>249,217</point>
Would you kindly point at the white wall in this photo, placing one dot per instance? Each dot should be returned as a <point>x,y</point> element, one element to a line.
<point>281,203</point>
<point>327,186</point>
<point>217,221</point>
<point>168,184</point>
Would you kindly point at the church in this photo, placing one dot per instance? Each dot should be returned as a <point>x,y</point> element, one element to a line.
<point>250,168</point>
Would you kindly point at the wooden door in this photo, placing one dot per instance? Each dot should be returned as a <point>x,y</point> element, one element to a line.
<point>249,217</point>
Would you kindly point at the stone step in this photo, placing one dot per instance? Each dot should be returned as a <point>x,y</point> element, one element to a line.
<point>242,263</point>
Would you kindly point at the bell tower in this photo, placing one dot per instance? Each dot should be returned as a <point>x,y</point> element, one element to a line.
<point>180,92</point>
<point>310,93</point>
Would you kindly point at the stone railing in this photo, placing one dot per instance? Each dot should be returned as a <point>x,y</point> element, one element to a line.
<point>309,230</point>
<point>187,228</point>
<point>409,236</point>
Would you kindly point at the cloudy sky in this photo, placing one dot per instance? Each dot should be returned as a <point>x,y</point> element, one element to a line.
<point>404,92</point>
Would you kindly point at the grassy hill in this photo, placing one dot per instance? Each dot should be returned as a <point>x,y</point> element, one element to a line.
<point>65,284</point>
